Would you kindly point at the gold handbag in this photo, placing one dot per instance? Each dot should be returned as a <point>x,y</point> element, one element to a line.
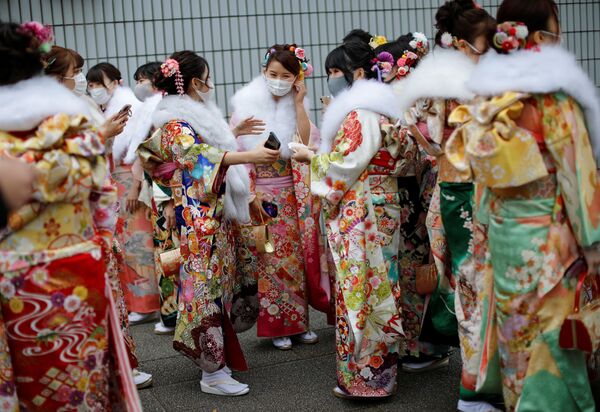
<point>170,262</point>
<point>581,329</point>
<point>261,236</point>
<point>426,279</point>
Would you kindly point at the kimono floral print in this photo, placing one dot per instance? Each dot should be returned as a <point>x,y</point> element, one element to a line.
<point>361,209</point>
<point>535,232</point>
<point>51,309</point>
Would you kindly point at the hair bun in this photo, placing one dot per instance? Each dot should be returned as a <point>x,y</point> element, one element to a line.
<point>448,13</point>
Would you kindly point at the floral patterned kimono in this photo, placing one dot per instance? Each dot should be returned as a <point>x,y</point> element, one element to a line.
<point>134,231</point>
<point>532,151</point>
<point>60,338</point>
<point>203,332</point>
<point>354,177</point>
<point>287,277</point>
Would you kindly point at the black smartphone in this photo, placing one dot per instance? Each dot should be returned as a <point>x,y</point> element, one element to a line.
<point>270,208</point>
<point>272,142</point>
<point>125,110</point>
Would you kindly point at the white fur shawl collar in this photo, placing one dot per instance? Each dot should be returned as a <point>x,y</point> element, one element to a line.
<point>442,74</point>
<point>364,94</point>
<point>549,70</point>
<point>207,121</point>
<point>280,116</point>
<point>137,130</point>
<point>24,105</point>
<point>121,96</point>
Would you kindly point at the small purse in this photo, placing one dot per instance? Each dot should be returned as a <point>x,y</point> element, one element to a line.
<point>170,262</point>
<point>261,236</point>
<point>581,329</point>
<point>426,279</point>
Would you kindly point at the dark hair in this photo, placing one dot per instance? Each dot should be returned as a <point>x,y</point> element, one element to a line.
<point>359,35</point>
<point>283,55</point>
<point>535,14</point>
<point>59,59</point>
<point>350,57</point>
<point>191,66</point>
<point>397,47</point>
<point>96,73</point>
<point>464,20</point>
<point>147,71</point>
<point>19,55</point>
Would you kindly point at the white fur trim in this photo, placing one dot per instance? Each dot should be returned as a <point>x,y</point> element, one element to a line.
<point>137,130</point>
<point>549,70</point>
<point>121,97</point>
<point>24,105</point>
<point>280,116</point>
<point>442,74</point>
<point>207,121</point>
<point>364,94</point>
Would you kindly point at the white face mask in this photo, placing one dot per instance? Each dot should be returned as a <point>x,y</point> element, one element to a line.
<point>100,95</point>
<point>80,84</point>
<point>278,87</point>
<point>143,91</point>
<point>206,96</point>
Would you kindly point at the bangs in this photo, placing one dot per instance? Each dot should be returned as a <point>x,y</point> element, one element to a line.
<point>95,75</point>
<point>337,59</point>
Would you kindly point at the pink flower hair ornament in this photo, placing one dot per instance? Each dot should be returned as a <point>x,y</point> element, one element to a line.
<point>43,34</point>
<point>511,36</point>
<point>405,63</point>
<point>382,64</point>
<point>171,68</point>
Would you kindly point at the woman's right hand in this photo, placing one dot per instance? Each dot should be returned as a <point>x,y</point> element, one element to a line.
<point>169,214</point>
<point>262,155</point>
<point>114,125</point>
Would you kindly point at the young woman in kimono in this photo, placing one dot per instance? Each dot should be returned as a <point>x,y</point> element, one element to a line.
<point>421,350</point>
<point>538,118</point>
<point>277,98</point>
<point>60,336</point>
<point>195,140</point>
<point>152,195</point>
<point>354,175</point>
<point>134,228</point>
<point>66,65</point>
<point>439,85</point>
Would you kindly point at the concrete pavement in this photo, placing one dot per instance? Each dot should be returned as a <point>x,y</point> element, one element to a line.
<point>297,380</point>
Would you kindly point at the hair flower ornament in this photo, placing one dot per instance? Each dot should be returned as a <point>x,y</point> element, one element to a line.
<point>43,34</point>
<point>511,36</point>
<point>420,43</point>
<point>447,40</point>
<point>382,64</point>
<point>405,63</point>
<point>377,41</point>
<point>171,68</point>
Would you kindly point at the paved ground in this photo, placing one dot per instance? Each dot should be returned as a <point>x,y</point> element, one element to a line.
<point>296,380</point>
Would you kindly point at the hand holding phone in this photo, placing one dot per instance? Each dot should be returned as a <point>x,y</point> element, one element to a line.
<point>125,111</point>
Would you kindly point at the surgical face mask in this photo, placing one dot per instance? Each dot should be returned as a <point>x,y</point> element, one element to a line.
<point>100,95</point>
<point>337,85</point>
<point>206,96</point>
<point>80,83</point>
<point>278,87</point>
<point>143,91</point>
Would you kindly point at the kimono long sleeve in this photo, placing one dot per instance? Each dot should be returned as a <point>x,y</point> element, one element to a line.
<point>567,139</point>
<point>197,159</point>
<point>357,141</point>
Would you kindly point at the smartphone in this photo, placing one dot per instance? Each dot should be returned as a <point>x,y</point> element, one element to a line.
<point>126,110</point>
<point>270,208</point>
<point>272,142</point>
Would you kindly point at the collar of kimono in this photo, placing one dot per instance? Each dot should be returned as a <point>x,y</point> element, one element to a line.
<point>547,70</point>
<point>442,74</point>
<point>26,103</point>
<point>256,100</point>
<point>207,121</point>
<point>364,94</point>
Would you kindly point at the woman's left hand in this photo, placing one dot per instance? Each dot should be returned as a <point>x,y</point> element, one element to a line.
<point>303,155</point>
<point>132,204</point>
<point>249,126</point>
<point>300,89</point>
